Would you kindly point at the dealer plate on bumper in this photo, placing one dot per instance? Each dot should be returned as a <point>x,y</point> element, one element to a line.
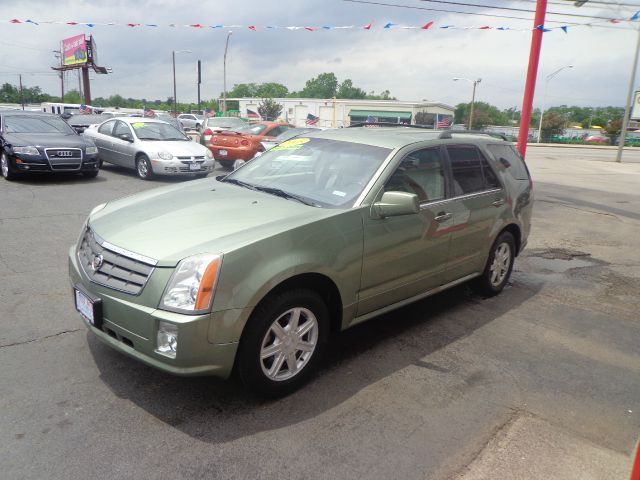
<point>90,307</point>
<point>222,152</point>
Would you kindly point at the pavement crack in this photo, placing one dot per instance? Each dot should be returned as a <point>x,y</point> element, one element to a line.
<point>64,332</point>
<point>580,209</point>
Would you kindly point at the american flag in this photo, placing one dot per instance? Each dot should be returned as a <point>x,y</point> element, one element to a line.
<point>253,114</point>
<point>311,119</point>
<point>84,110</point>
<point>208,113</point>
<point>147,112</point>
<point>444,123</point>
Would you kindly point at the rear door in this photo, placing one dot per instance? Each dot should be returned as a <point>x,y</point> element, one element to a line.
<point>477,205</point>
<point>104,141</point>
<point>407,255</point>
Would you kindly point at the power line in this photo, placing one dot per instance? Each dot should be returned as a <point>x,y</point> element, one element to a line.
<point>492,15</point>
<point>514,9</point>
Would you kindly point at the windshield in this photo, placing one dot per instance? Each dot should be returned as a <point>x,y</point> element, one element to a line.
<point>292,132</point>
<point>251,129</point>
<point>158,131</point>
<point>325,172</point>
<point>39,124</point>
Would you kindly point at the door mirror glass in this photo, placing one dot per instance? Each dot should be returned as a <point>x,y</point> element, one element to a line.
<point>393,204</point>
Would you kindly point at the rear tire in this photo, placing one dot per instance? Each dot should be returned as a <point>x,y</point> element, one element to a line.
<point>5,168</point>
<point>283,343</point>
<point>498,268</point>
<point>143,167</point>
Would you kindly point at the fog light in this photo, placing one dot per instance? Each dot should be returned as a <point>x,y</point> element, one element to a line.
<point>167,339</point>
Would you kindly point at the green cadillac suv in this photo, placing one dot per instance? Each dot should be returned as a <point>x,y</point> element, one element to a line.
<point>251,272</point>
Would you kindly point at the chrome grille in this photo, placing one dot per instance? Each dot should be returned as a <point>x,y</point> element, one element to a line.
<point>64,158</point>
<point>198,157</point>
<point>112,266</point>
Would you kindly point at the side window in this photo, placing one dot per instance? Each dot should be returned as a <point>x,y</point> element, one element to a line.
<point>420,172</point>
<point>106,128</point>
<point>470,170</point>
<point>274,132</point>
<point>120,129</point>
<point>510,160</point>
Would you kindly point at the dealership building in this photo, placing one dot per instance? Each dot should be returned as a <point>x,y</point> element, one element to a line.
<point>341,113</point>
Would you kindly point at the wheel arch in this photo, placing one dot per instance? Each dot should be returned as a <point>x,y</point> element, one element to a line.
<point>514,230</point>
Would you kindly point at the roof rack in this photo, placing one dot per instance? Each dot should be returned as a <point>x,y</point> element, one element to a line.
<point>447,134</point>
<point>388,124</point>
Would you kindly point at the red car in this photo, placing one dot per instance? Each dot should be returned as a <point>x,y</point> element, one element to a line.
<point>599,139</point>
<point>242,143</point>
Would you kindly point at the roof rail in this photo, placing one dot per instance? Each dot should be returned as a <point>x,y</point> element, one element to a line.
<point>388,124</point>
<point>448,133</point>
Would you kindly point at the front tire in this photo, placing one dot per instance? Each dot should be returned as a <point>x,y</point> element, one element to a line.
<point>5,168</point>
<point>143,167</point>
<point>283,343</point>
<point>498,268</point>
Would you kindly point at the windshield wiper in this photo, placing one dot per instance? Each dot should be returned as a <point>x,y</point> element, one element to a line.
<point>240,183</point>
<point>283,194</point>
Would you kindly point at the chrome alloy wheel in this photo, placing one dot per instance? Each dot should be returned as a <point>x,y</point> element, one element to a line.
<point>501,263</point>
<point>4,164</point>
<point>289,344</point>
<point>143,170</point>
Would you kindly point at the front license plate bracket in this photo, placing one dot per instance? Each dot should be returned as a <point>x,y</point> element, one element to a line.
<point>89,306</point>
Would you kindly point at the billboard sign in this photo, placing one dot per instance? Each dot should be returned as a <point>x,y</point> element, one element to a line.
<point>75,50</point>
<point>635,110</point>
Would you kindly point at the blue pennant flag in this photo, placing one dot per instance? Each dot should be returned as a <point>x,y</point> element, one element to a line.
<point>389,25</point>
<point>636,16</point>
<point>542,29</point>
<point>565,28</point>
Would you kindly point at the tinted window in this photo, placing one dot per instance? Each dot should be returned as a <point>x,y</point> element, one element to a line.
<point>39,124</point>
<point>511,160</point>
<point>121,129</point>
<point>106,128</point>
<point>422,173</point>
<point>470,170</point>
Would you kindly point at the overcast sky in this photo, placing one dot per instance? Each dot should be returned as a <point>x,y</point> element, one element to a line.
<point>412,64</point>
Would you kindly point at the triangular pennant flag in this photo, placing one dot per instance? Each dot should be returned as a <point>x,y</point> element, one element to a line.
<point>31,21</point>
<point>252,27</point>
<point>368,26</point>
<point>15,20</point>
<point>485,27</point>
<point>151,25</point>
<point>426,26</point>
<point>196,25</point>
<point>446,26</point>
<point>327,27</point>
<point>133,25</point>
<point>311,29</point>
<point>389,25</point>
<point>636,16</point>
<point>564,28</point>
<point>72,23</point>
<point>542,29</point>
<point>502,28</point>
<point>91,25</point>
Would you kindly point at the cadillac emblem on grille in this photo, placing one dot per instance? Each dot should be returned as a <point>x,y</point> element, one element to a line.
<point>97,262</point>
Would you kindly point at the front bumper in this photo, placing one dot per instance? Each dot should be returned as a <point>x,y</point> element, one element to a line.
<point>181,167</point>
<point>131,327</point>
<point>40,164</point>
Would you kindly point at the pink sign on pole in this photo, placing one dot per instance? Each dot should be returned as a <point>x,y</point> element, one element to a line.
<point>75,50</point>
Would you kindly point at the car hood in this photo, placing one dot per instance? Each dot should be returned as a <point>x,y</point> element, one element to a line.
<point>171,223</point>
<point>48,140</point>
<point>177,149</point>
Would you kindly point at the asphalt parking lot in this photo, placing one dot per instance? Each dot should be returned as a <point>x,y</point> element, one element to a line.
<point>542,381</point>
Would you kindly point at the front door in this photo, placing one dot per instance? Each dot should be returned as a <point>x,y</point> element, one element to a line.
<point>122,149</point>
<point>407,255</point>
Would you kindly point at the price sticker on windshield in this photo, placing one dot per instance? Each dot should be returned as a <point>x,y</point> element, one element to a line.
<point>138,125</point>
<point>293,144</point>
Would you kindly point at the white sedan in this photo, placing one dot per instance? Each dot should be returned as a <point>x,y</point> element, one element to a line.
<point>151,147</point>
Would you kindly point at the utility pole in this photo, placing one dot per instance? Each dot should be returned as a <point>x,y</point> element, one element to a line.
<point>627,109</point>
<point>21,95</point>
<point>224,79</point>
<point>199,81</point>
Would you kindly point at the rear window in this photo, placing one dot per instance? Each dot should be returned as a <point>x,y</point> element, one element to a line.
<point>510,160</point>
<point>470,170</point>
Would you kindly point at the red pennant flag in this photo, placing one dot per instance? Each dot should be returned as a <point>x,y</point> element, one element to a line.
<point>486,27</point>
<point>133,24</point>
<point>72,23</point>
<point>613,20</point>
<point>311,29</point>
<point>426,26</point>
<point>252,27</point>
<point>368,27</point>
<point>15,20</point>
<point>196,25</point>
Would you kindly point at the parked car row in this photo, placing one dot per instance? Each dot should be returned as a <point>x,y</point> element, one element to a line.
<point>32,142</point>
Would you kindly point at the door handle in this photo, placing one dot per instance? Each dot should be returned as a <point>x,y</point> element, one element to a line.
<point>442,216</point>
<point>498,203</point>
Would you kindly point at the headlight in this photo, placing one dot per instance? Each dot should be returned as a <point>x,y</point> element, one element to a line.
<point>193,283</point>
<point>209,154</point>
<point>167,339</point>
<point>165,155</point>
<point>92,150</point>
<point>26,150</point>
<point>97,208</point>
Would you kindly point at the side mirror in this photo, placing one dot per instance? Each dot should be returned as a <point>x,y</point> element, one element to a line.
<point>393,204</point>
<point>126,137</point>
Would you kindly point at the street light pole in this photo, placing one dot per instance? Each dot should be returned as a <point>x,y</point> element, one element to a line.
<point>544,98</point>
<point>473,97</point>
<point>173,58</point>
<point>224,80</point>
<point>627,109</point>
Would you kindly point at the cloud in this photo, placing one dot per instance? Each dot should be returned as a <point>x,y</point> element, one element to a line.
<point>412,64</point>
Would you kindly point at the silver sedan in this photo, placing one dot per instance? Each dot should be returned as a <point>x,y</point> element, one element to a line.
<point>151,147</point>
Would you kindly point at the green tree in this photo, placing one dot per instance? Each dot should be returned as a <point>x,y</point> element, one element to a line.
<point>73,96</point>
<point>324,85</point>
<point>269,109</point>
<point>613,129</point>
<point>347,90</point>
<point>272,90</point>
<point>483,114</point>
<point>553,123</point>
